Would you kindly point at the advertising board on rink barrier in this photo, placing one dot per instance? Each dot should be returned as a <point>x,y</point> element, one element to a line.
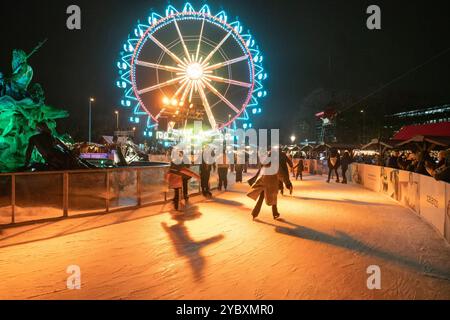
<point>422,194</point>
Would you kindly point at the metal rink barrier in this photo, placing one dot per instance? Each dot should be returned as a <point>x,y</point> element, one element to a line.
<point>39,196</point>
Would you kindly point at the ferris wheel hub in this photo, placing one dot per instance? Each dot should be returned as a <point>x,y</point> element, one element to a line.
<point>194,71</point>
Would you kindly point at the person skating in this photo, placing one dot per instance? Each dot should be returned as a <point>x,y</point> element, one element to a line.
<point>239,168</point>
<point>246,161</point>
<point>176,176</point>
<point>334,161</point>
<point>265,188</point>
<point>205,174</point>
<point>346,160</point>
<point>283,173</point>
<point>222,170</point>
<point>185,177</point>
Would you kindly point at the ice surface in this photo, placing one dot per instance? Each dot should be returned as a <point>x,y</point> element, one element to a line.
<point>329,235</point>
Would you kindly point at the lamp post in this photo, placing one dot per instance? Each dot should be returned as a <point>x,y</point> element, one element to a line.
<point>293,138</point>
<point>364,126</point>
<point>91,100</point>
<point>117,119</point>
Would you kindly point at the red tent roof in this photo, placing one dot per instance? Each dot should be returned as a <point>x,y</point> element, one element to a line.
<point>441,129</point>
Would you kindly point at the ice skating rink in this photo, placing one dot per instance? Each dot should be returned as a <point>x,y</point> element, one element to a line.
<point>328,236</point>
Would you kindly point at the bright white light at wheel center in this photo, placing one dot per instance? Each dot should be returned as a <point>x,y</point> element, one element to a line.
<point>194,71</point>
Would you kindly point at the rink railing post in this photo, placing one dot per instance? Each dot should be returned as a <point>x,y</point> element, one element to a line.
<point>138,187</point>
<point>13,199</point>
<point>65,194</point>
<point>107,190</point>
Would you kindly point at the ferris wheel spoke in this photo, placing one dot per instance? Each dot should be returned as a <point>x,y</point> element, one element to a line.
<point>164,48</point>
<point>229,81</point>
<point>158,66</point>
<point>226,63</point>
<point>186,51</point>
<point>211,54</point>
<point>192,92</point>
<point>207,107</point>
<point>186,91</point>
<point>200,40</point>
<point>184,83</point>
<point>160,85</point>
<point>221,97</point>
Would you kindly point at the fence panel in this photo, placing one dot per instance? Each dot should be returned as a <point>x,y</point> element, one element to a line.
<point>5,200</point>
<point>38,196</point>
<point>409,190</point>
<point>194,184</point>
<point>123,189</point>
<point>153,185</point>
<point>87,192</point>
<point>447,214</point>
<point>432,202</point>
<point>423,194</point>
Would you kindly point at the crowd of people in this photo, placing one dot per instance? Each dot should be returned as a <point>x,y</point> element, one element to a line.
<point>426,162</point>
<point>435,164</point>
<point>335,160</point>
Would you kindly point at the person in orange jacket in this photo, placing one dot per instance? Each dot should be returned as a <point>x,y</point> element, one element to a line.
<point>175,177</point>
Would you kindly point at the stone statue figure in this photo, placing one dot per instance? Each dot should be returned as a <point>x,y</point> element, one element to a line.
<point>22,108</point>
<point>22,73</point>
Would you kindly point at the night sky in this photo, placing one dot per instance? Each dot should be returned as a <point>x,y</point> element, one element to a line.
<point>309,46</point>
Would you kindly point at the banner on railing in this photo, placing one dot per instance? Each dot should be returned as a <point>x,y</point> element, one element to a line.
<point>389,182</point>
<point>432,202</point>
<point>447,213</point>
<point>371,178</point>
<point>424,195</point>
<point>409,190</point>
<point>357,173</point>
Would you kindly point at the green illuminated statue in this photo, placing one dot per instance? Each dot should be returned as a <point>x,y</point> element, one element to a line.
<point>22,107</point>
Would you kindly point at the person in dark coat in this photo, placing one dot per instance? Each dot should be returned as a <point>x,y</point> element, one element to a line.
<point>264,189</point>
<point>298,169</point>
<point>283,173</point>
<point>186,179</point>
<point>176,176</point>
<point>239,168</point>
<point>346,160</point>
<point>442,159</point>
<point>247,160</point>
<point>205,174</point>
<point>441,171</point>
<point>393,160</point>
<point>334,161</point>
<point>222,170</point>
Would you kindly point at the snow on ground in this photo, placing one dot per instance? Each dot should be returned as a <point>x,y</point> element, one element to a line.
<point>328,236</point>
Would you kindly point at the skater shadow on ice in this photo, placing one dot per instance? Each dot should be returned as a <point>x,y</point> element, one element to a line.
<point>348,201</point>
<point>185,245</point>
<point>343,240</point>
<point>93,222</point>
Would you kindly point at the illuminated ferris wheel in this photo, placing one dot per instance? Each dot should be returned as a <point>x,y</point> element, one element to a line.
<point>192,65</point>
